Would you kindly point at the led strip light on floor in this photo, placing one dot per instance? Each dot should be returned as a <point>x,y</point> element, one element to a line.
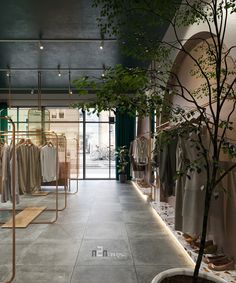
<point>163,224</point>
<point>228,275</point>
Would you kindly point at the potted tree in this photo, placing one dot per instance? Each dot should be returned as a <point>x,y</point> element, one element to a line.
<point>122,155</point>
<point>158,87</point>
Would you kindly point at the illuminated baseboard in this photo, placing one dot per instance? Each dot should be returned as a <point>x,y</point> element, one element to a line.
<point>165,217</point>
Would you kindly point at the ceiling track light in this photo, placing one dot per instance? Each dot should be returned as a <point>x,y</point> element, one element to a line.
<point>101,45</point>
<point>39,90</point>
<point>59,71</point>
<point>41,47</point>
<point>102,41</point>
<point>104,70</point>
<point>70,90</point>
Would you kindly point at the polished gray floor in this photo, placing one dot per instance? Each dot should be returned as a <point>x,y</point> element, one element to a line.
<point>107,234</point>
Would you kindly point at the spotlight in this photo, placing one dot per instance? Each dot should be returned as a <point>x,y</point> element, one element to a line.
<point>32,91</point>
<point>59,71</point>
<point>69,84</point>
<point>101,45</point>
<point>41,47</point>
<point>104,69</point>
<point>102,40</point>
<point>8,74</point>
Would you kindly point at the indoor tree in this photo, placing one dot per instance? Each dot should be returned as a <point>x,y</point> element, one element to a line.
<point>140,26</point>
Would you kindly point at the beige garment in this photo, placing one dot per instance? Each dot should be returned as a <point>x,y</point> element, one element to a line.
<point>29,171</point>
<point>222,226</point>
<point>16,176</point>
<point>193,194</point>
<point>6,176</point>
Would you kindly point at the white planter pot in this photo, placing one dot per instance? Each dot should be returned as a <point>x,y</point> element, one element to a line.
<point>185,271</point>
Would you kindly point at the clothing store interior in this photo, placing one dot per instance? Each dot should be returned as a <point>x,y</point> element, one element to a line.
<point>68,212</point>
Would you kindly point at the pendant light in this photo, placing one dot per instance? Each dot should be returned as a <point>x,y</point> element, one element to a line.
<point>59,70</point>
<point>101,46</point>
<point>8,74</point>
<point>39,90</point>
<point>69,86</point>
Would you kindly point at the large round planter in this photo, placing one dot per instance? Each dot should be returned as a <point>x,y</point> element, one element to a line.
<point>185,271</point>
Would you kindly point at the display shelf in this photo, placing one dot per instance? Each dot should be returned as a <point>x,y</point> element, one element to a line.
<point>166,213</point>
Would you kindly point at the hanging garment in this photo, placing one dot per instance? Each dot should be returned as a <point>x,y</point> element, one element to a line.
<point>155,153</point>
<point>180,183</point>
<point>142,149</point>
<point>16,176</point>
<point>133,154</point>
<point>6,174</point>
<point>29,169</point>
<point>48,157</point>
<point>222,227</point>
<point>194,187</point>
<point>167,164</point>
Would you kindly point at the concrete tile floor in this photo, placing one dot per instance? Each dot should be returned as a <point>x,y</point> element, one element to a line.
<point>104,218</point>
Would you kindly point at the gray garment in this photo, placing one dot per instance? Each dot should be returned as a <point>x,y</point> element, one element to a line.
<point>167,165</point>
<point>48,157</point>
<point>16,177</point>
<point>194,189</point>
<point>29,169</point>
<point>222,227</point>
<point>179,185</point>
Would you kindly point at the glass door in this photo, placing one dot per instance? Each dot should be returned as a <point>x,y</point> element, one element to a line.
<point>100,146</point>
<point>90,138</point>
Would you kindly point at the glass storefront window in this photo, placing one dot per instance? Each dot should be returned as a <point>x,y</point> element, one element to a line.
<point>12,113</point>
<point>93,152</point>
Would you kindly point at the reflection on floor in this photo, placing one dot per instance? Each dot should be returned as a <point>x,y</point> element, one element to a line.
<point>107,234</point>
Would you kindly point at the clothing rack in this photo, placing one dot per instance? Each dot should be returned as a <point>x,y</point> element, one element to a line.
<point>13,265</point>
<point>65,191</point>
<point>18,134</point>
<point>148,165</point>
<point>77,169</point>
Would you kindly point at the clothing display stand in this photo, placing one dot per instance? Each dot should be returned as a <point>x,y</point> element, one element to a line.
<point>13,210</point>
<point>27,134</point>
<point>145,184</point>
<point>63,145</point>
<point>77,170</point>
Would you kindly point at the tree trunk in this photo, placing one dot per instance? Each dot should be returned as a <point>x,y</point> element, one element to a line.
<point>203,235</point>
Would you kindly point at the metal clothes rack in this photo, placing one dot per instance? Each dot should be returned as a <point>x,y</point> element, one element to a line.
<point>65,192</point>
<point>77,169</point>
<point>27,134</point>
<point>13,269</point>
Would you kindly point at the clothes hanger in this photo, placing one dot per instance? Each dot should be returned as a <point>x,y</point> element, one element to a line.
<point>28,142</point>
<point>50,144</point>
<point>21,141</point>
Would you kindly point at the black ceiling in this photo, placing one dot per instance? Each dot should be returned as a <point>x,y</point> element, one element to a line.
<point>69,33</point>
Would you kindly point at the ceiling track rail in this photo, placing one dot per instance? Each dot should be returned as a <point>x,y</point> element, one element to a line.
<point>69,40</point>
<point>49,69</point>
